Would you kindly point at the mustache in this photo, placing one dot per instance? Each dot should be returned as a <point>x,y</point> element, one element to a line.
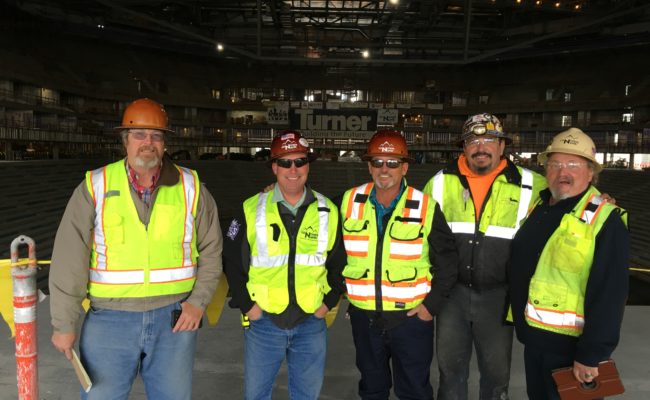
<point>481,153</point>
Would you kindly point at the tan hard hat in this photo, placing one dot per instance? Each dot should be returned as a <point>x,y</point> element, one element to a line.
<point>572,141</point>
<point>145,114</point>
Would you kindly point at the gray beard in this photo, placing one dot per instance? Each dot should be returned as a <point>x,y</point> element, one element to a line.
<point>385,186</point>
<point>153,163</point>
<point>558,196</point>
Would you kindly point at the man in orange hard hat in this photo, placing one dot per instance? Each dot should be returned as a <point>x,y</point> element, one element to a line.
<point>140,238</point>
<point>401,266</point>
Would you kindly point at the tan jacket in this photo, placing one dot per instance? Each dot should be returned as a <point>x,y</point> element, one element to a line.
<point>68,278</point>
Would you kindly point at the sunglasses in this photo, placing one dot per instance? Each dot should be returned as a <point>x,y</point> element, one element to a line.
<point>298,162</point>
<point>155,137</point>
<point>389,163</point>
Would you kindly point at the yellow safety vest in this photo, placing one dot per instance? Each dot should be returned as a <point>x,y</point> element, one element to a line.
<point>505,210</point>
<point>129,259</point>
<point>271,253</point>
<point>556,293</point>
<point>404,254</point>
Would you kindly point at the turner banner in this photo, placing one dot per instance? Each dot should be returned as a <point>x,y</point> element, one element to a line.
<point>341,122</point>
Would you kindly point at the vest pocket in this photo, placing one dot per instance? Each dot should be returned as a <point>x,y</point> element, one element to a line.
<point>355,225</point>
<point>354,272</point>
<point>571,246</point>
<point>113,228</point>
<point>403,274</point>
<point>547,296</point>
<point>405,241</point>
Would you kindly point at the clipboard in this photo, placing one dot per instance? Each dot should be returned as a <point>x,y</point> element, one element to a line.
<point>607,383</point>
<point>81,373</point>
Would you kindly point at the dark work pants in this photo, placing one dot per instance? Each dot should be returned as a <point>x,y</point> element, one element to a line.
<point>408,346</point>
<point>539,365</point>
<point>472,319</point>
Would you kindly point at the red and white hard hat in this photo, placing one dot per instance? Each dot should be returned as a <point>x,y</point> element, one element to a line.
<point>287,142</point>
<point>387,143</point>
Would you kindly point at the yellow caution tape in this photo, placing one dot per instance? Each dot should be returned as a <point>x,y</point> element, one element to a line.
<point>640,269</point>
<point>331,314</point>
<point>6,299</point>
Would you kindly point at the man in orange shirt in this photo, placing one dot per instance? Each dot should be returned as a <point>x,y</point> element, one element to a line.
<point>485,198</point>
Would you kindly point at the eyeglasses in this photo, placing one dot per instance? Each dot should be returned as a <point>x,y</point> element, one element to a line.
<point>392,163</point>
<point>298,162</point>
<point>571,165</point>
<point>155,137</point>
<point>483,141</point>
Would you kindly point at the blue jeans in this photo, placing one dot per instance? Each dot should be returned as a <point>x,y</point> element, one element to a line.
<point>116,345</point>
<point>409,346</point>
<point>474,318</point>
<point>266,346</point>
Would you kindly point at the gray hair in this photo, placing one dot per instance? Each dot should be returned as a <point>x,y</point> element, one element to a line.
<point>595,171</point>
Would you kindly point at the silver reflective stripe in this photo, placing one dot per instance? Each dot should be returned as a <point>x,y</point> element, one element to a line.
<point>23,315</point>
<point>554,318</point>
<point>171,274</point>
<point>98,180</point>
<point>310,260</point>
<point>323,228</point>
<point>356,207</point>
<point>189,189</point>
<point>419,212</point>
<point>117,277</point>
<point>437,191</point>
<point>266,261</point>
<point>462,227</point>
<point>524,196</point>
<point>260,231</point>
<point>588,215</point>
<point>500,232</point>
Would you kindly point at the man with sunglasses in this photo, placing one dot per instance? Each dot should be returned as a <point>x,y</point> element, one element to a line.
<point>401,265</point>
<point>568,270</point>
<point>140,238</point>
<point>485,198</point>
<point>283,259</point>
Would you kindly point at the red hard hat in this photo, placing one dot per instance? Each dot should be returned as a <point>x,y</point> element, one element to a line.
<point>144,114</point>
<point>387,143</point>
<point>287,142</point>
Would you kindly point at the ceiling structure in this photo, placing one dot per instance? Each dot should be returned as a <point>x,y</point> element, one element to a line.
<point>346,32</point>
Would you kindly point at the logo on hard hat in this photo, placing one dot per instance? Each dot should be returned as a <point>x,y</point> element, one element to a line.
<point>303,142</point>
<point>570,140</point>
<point>287,136</point>
<point>386,147</point>
<point>289,145</point>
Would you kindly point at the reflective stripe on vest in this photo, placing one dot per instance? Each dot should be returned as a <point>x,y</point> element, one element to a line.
<point>262,259</point>
<point>555,319</point>
<point>364,289</point>
<point>357,245</point>
<point>102,272</point>
<point>526,193</point>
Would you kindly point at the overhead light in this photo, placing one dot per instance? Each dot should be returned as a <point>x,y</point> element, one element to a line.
<point>100,26</point>
<point>577,6</point>
<point>518,1</point>
<point>557,5</point>
<point>538,2</point>
<point>219,47</point>
<point>394,1</point>
<point>365,53</point>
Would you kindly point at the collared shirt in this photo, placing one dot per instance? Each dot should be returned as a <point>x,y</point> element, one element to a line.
<point>144,192</point>
<point>279,198</point>
<point>380,210</point>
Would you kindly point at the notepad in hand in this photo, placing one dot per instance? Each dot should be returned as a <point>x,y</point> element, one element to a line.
<point>82,375</point>
<point>607,383</point>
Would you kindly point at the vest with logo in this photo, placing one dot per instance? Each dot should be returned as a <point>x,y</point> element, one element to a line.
<point>130,259</point>
<point>483,245</point>
<point>556,293</point>
<point>393,270</point>
<point>274,252</point>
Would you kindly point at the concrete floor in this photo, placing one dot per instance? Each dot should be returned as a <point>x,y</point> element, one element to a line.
<point>218,370</point>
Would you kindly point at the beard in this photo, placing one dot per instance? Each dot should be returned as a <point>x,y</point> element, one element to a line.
<point>385,185</point>
<point>151,163</point>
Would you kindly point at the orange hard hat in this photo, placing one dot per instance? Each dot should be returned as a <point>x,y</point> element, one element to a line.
<point>287,142</point>
<point>387,143</point>
<point>145,114</point>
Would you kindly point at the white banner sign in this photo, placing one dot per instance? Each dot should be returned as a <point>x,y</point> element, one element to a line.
<point>387,116</point>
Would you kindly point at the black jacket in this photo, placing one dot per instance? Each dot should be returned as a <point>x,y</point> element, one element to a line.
<point>607,286</point>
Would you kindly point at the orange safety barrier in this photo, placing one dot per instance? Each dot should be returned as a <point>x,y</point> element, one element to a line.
<point>25,297</point>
